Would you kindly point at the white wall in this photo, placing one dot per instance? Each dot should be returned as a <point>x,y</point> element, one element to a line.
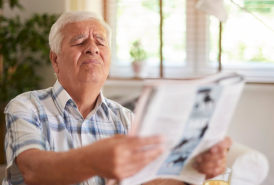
<point>37,6</point>
<point>95,6</point>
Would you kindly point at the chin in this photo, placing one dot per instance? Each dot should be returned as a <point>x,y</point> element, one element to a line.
<point>94,78</point>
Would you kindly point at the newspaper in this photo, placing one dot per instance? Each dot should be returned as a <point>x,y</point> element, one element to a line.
<point>193,115</point>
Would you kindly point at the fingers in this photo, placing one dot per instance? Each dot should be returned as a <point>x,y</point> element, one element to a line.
<point>148,154</point>
<point>223,145</point>
<point>213,162</point>
<point>211,168</point>
<point>121,156</point>
<point>129,169</point>
<point>140,143</point>
<point>142,158</point>
<point>135,149</point>
<point>209,156</point>
<point>137,159</point>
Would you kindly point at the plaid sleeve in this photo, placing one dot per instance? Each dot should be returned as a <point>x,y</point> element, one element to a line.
<point>23,132</point>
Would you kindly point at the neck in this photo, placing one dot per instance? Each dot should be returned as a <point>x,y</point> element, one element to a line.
<point>85,96</point>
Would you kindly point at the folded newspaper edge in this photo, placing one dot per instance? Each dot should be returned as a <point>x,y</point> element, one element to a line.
<point>193,115</point>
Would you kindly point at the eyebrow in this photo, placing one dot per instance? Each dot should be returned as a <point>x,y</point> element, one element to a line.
<point>77,38</point>
<point>98,36</point>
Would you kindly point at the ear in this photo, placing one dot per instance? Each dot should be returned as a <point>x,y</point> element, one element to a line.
<point>53,58</point>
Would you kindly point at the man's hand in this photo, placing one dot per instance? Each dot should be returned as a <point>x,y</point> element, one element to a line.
<point>117,157</point>
<point>213,162</point>
<point>121,156</point>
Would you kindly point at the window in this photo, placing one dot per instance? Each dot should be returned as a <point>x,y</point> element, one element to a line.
<point>161,28</point>
<point>144,27</point>
<point>184,40</point>
<point>248,45</point>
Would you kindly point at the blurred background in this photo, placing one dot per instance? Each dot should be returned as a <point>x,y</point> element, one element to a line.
<point>153,39</point>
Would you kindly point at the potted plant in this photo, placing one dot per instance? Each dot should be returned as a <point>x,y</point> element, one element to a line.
<point>139,55</point>
<point>23,47</point>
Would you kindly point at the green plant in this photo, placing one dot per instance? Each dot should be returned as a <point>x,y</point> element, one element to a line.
<point>23,47</point>
<point>261,6</point>
<point>137,52</point>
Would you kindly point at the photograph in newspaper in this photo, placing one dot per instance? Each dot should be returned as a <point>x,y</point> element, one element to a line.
<point>203,108</point>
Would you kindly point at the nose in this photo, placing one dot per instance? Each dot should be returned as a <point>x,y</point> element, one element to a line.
<point>91,48</point>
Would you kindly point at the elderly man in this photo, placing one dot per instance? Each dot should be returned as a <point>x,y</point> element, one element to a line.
<point>71,133</point>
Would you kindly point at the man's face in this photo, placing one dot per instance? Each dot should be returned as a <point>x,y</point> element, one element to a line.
<point>85,54</point>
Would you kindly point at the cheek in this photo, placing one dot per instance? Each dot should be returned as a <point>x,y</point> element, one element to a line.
<point>68,62</point>
<point>74,54</point>
<point>71,58</point>
<point>106,57</point>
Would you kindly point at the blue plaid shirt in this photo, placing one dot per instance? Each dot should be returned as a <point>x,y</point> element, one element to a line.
<point>49,120</point>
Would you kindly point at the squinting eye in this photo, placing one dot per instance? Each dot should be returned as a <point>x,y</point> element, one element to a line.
<point>101,44</point>
<point>79,44</point>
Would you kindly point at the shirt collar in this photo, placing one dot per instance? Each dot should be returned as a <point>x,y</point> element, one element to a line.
<point>100,102</point>
<point>60,97</point>
<point>101,98</point>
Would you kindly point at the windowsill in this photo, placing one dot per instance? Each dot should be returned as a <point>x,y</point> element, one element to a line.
<point>134,82</point>
<point>125,82</point>
<point>253,72</point>
<point>140,81</point>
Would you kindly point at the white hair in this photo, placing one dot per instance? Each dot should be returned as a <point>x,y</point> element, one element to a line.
<point>55,35</point>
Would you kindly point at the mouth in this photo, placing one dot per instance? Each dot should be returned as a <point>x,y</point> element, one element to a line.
<point>91,61</point>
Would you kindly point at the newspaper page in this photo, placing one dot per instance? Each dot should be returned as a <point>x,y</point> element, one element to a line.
<point>193,115</point>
